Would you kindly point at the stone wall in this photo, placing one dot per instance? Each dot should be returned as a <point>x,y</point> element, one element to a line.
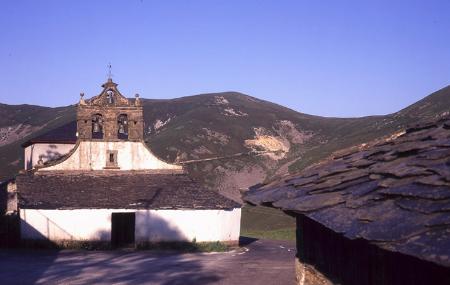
<point>9,219</point>
<point>110,104</point>
<point>110,115</point>
<point>307,275</point>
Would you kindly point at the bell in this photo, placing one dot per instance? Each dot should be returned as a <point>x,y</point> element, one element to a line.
<point>121,129</point>
<point>96,128</point>
<point>110,97</point>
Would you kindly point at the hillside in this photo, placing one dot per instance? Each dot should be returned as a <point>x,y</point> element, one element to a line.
<point>230,125</point>
<point>355,131</point>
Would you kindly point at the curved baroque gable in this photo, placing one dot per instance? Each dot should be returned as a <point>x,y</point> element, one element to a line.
<point>110,96</point>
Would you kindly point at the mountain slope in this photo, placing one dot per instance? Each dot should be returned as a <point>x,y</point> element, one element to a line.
<point>350,132</point>
<point>256,139</point>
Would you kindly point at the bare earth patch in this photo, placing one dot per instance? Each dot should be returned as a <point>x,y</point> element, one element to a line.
<point>287,129</point>
<point>160,123</point>
<point>220,100</point>
<point>14,133</point>
<point>233,113</point>
<point>277,141</point>
<point>277,146</point>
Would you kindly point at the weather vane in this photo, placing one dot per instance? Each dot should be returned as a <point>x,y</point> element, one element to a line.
<point>109,71</point>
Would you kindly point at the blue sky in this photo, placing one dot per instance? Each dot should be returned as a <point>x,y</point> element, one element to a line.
<point>330,58</point>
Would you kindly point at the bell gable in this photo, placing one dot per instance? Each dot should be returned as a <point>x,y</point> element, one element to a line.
<point>109,97</point>
<point>110,116</point>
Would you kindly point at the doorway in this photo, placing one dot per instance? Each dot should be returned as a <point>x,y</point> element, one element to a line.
<point>122,229</point>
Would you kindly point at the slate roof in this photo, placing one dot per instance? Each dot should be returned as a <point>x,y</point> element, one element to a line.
<point>393,192</point>
<point>63,134</point>
<point>116,190</point>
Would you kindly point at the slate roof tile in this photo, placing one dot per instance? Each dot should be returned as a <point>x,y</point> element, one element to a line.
<point>63,134</point>
<point>393,192</point>
<point>116,190</point>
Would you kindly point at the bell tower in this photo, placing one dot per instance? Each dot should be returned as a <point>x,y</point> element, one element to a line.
<point>110,116</point>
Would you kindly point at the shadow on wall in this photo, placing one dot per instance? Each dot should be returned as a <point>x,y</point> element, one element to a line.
<point>40,240</point>
<point>109,267</point>
<point>51,154</point>
<point>50,226</point>
<point>146,226</point>
<point>151,228</point>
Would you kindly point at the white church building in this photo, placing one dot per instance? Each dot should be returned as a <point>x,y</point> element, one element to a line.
<point>97,180</point>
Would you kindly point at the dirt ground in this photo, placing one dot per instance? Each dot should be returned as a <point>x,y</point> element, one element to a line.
<point>259,262</point>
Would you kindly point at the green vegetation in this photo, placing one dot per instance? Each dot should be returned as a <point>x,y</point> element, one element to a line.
<point>185,246</point>
<point>186,135</point>
<point>205,126</point>
<point>267,223</point>
<point>264,219</point>
<point>191,118</point>
<point>278,234</point>
<point>101,245</point>
<point>66,244</point>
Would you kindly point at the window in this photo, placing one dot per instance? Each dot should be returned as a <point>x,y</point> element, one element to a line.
<point>111,159</point>
<point>97,126</point>
<point>122,127</point>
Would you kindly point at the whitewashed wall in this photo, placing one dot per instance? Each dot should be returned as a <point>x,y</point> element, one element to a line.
<point>186,225</point>
<point>46,151</point>
<point>92,155</point>
<point>151,225</point>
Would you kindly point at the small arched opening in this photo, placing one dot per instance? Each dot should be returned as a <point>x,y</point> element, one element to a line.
<point>97,126</point>
<point>110,97</point>
<point>122,127</point>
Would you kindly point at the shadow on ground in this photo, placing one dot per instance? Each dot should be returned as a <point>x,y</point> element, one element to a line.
<point>107,267</point>
<point>52,266</point>
<point>255,262</point>
<point>244,241</point>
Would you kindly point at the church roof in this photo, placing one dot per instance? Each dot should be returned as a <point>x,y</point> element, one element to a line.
<point>394,192</point>
<point>63,134</point>
<point>157,189</point>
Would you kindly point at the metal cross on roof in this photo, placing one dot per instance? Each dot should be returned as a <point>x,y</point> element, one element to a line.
<point>110,75</point>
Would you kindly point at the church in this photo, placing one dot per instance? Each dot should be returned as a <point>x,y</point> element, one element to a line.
<point>104,184</point>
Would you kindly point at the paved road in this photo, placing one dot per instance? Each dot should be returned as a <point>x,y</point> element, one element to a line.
<point>260,262</point>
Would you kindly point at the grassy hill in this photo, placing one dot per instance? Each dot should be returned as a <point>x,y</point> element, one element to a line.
<point>226,124</point>
<point>350,132</point>
<point>230,125</point>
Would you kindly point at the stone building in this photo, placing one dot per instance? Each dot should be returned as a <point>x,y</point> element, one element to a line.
<point>108,186</point>
<point>376,214</point>
<point>9,230</point>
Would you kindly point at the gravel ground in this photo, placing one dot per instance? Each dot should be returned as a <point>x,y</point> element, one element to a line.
<point>259,262</point>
